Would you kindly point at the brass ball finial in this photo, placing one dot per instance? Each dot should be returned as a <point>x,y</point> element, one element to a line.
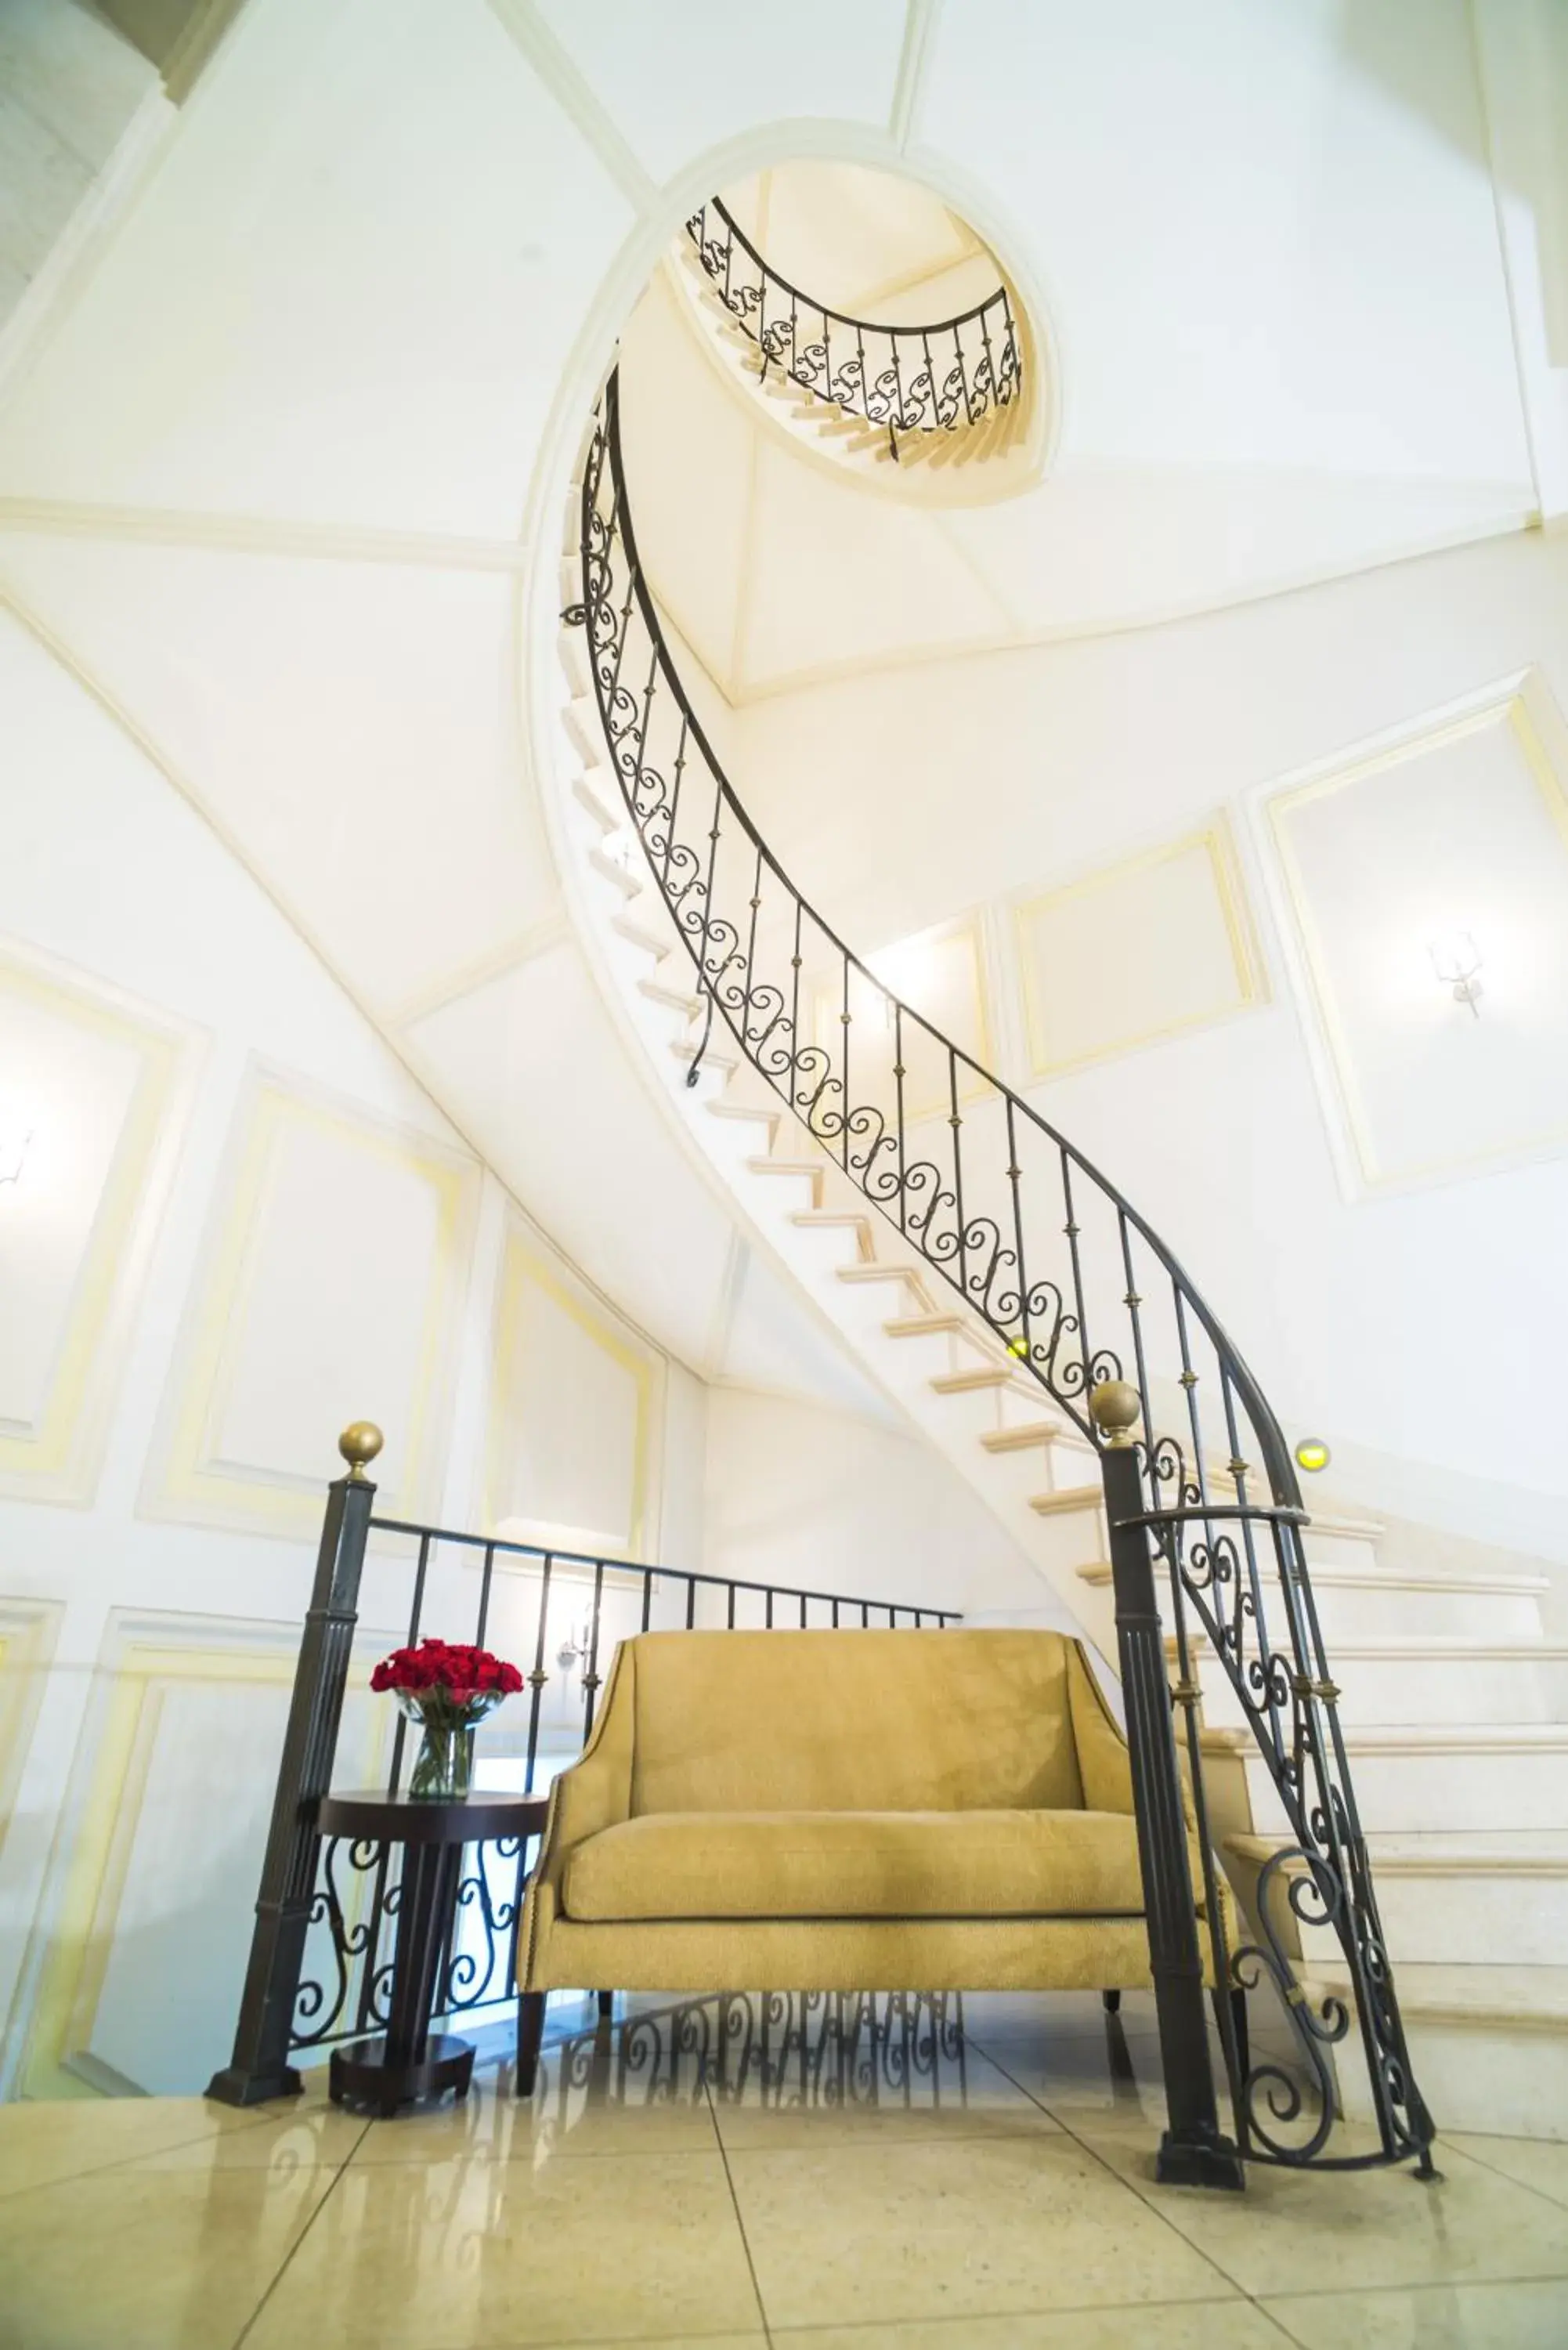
<point>1116,1410</point>
<point>359,1442</point>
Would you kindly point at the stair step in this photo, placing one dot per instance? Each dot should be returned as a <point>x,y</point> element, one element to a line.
<point>759,1112</point>
<point>881,1270</point>
<point>842,1219</point>
<point>626,927</point>
<point>810,1169</point>
<point>925,1326</point>
<point>675,997</point>
<point>985,1375</point>
<point>1488,2045</point>
<point>1027,1433</point>
<point>1070,1497</point>
<point>688,1048</point>
<point>1419,1778</point>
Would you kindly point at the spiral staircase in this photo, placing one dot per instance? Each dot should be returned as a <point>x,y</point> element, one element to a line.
<point>990,1313</point>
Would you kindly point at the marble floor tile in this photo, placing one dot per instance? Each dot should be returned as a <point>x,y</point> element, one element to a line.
<point>1430,2317</point>
<point>564,2116</point>
<point>468,2255</point>
<point>1541,2163</point>
<point>1295,2233</point>
<point>852,2234</point>
<point>1195,2326</point>
<point>46,2139</point>
<point>294,2136</point>
<point>1109,2073</point>
<point>141,2259</point>
<point>1048,2014</point>
<point>951,2093</point>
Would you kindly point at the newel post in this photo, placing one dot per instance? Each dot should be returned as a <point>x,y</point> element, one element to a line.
<point>1193,2151</point>
<point>259,2067</point>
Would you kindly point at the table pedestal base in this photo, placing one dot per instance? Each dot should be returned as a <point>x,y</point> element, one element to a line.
<point>363,2074</point>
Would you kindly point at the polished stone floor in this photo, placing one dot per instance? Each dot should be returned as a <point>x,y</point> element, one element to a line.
<point>818,2175</point>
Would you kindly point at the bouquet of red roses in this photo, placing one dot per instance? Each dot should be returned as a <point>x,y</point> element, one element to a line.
<point>447,1687</point>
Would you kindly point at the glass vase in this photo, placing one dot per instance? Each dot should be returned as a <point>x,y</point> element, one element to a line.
<point>443,1767</point>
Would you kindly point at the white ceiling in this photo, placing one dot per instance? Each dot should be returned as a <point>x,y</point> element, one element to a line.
<point>282,462</point>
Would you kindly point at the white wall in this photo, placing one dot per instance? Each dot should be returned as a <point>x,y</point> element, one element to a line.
<point>238,1223</point>
<point>802,1494</point>
<point>1406,1324</point>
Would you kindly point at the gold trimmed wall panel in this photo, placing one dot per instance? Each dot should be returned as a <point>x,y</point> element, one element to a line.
<point>1389,1047</point>
<point>537,1483</point>
<point>106,1831</point>
<point>56,1455</point>
<point>217,1462</point>
<point>1148,947</point>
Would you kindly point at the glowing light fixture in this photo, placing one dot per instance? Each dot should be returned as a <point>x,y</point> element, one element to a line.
<point>1456,959</point>
<point>1311,1453</point>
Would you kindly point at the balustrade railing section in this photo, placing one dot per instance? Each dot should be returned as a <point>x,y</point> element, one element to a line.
<point>322,1956</point>
<point>1086,1300</point>
<point>927,378</point>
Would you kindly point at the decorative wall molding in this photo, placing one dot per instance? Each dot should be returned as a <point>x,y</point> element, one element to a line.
<point>1517,718</point>
<point>56,1454</point>
<point>29,1629</point>
<point>265,534</point>
<point>282,1124</point>
<point>914,64</point>
<point>620,1462</point>
<point>146,1665</point>
<point>1201,878</point>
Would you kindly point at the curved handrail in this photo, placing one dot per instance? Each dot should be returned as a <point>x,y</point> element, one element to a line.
<point>1037,1241</point>
<point>904,378</point>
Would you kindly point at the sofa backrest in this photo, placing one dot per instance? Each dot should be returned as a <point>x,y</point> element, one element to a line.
<point>853,1721</point>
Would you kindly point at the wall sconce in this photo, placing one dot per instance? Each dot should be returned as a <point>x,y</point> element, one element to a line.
<point>575,1647</point>
<point>1456,959</point>
<point>14,1147</point>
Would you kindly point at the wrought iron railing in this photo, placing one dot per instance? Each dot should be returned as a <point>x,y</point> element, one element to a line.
<point>322,1959</point>
<point>1085,1299</point>
<point>930,378</point>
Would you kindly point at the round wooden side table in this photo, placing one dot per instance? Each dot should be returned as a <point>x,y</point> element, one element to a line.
<point>411,2061</point>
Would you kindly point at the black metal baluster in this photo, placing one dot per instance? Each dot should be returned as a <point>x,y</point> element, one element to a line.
<point>956,1124</point>
<point>487,1572</point>
<point>537,1678</point>
<point>899,1074</point>
<point>591,1677</point>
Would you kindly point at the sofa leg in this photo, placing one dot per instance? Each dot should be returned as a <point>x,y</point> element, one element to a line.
<point>530,2033</point>
<point>1112,2000</point>
<point>606,2004</point>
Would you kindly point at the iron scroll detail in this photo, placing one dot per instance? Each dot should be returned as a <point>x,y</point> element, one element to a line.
<point>1075,1287</point>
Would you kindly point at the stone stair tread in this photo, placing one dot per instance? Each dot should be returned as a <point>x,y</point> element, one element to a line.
<point>1441,1737</point>
<point>984,1375</point>
<point>1068,1497</point>
<point>1421,1648</point>
<point>1020,1438</point>
<point>1432,1989</point>
<point>1460,1851</point>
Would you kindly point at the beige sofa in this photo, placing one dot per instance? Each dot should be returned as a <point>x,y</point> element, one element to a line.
<point>841,1811</point>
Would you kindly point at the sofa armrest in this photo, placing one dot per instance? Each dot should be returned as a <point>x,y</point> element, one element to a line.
<point>1103,1763</point>
<point>592,1793</point>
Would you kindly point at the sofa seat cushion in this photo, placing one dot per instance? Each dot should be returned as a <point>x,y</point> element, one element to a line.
<point>977,1864</point>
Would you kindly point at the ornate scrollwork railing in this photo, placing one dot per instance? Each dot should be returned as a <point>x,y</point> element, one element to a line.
<point>1073,1283</point>
<point>932,378</point>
